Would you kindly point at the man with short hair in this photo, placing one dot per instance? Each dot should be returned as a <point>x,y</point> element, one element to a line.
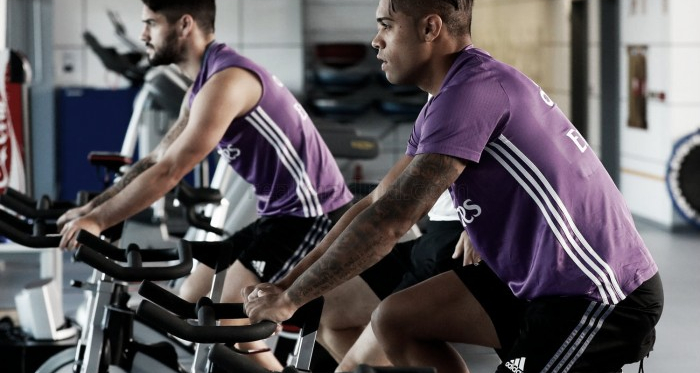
<point>237,107</point>
<point>566,283</point>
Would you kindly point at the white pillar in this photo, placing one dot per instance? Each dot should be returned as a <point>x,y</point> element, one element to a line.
<point>3,24</point>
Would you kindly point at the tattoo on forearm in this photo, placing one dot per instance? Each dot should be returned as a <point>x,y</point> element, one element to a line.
<point>144,163</point>
<point>333,268</point>
<point>135,170</point>
<point>377,229</point>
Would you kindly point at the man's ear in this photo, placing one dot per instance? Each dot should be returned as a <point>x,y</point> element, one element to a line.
<point>432,27</point>
<point>186,25</point>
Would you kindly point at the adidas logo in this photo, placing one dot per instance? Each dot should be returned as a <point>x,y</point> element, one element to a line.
<point>516,365</point>
<point>259,267</point>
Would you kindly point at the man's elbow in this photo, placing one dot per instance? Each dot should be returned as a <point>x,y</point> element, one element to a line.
<point>170,174</point>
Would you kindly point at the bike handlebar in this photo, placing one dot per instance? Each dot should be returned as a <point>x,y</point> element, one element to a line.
<point>102,256</point>
<point>28,240</point>
<point>180,328</point>
<point>115,253</point>
<point>14,193</point>
<point>26,206</point>
<point>191,197</point>
<point>26,234</point>
<point>184,309</point>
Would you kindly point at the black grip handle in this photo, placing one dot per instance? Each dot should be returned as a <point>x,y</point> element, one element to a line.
<point>19,225</point>
<point>184,309</point>
<point>19,196</point>
<point>170,323</point>
<point>134,271</point>
<point>191,197</point>
<point>28,240</point>
<point>115,253</point>
<point>20,207</point>
<point>162,297</point>
<point>202,222</point>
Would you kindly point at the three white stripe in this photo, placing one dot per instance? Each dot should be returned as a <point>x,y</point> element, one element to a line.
<point>578,249</point>
<point>579,339</point>
<point>291,160</point>
<point>320,227</point>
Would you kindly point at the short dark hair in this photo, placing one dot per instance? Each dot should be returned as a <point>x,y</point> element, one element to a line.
<point>456,14</point>
<point>203,11</point>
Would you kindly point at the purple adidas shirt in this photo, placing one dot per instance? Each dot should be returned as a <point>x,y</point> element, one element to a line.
<point>536,201</point>
<point>276,146</point>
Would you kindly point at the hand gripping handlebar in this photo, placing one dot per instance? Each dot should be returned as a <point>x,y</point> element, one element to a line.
<point>207,331</point>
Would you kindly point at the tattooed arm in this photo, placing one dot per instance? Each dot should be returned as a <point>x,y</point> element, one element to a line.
<point>225,96</point>
<point>343,223</point>
<point>369,237</point>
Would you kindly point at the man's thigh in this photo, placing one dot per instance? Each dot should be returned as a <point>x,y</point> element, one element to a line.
<point>440,308</point>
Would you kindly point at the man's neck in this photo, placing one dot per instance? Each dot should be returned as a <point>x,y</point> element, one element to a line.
<point>192,63</point>
<point>445,56</point>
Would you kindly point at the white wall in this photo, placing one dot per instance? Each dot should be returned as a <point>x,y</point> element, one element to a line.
<point>3,24</point>
<point>268,31</point>
<point>671,31</point>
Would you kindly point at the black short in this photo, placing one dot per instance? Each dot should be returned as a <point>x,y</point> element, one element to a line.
<point>504,309</point>
<point>271,246</point>
<point>417,260</point>
<point>431,253</point>
<point>562,334</point>
<point>385,275</point>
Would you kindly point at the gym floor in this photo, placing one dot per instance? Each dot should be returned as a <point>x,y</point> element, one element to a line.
<point>676,253</point>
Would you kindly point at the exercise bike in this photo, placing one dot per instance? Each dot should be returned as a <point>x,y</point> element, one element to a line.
<point>27,222</point>
<point>197,322</point>
<point>175,316</point>
<point>35,227</point>
<point>107,342</point>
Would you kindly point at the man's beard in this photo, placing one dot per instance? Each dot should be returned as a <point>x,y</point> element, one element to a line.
<point>170,53</point>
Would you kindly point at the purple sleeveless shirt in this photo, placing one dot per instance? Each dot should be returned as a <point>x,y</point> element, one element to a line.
<point>276,146</point>
<point>536,201</point>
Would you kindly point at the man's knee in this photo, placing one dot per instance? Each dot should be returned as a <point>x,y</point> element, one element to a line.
<point>238,276</point>
<point>386,319</point>
<point>349,306</point>
<point>197,284</point>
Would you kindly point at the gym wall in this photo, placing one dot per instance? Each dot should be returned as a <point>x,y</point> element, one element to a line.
<point>277,45</point>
